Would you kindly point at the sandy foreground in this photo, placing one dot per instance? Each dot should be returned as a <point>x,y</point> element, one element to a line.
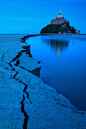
<point>25,101</point>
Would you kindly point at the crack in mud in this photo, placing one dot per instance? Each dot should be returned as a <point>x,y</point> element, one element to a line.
<point>17,62</point>
<point>22,102</point>
<point>4,54</point>
<point>25,90</point>
<point>35,71</point>
<point>15,75</point>
<point>27,50</point>
<point>25,114</point>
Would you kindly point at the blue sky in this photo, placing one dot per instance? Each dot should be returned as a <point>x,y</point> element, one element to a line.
<point>29,16</point>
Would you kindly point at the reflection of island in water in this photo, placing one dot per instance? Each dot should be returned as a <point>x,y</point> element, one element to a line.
<point>58,45</point>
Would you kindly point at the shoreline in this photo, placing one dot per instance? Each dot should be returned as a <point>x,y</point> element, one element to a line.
<point>32,35</point>
<point>41,106</point>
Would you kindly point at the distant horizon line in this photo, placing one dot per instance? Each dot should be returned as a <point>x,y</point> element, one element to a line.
<point>35,33</point>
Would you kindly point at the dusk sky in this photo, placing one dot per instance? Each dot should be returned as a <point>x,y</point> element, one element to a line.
<point>30,16</point>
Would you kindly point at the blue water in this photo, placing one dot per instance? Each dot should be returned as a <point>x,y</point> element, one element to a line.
<point>63,64</point>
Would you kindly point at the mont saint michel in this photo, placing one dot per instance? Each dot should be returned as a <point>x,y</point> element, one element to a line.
<point>60,25</point>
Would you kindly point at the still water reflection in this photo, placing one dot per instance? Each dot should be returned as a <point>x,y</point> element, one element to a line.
<point>58,45</point>
<point>63,61</point>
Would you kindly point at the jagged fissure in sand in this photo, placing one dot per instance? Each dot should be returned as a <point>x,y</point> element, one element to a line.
<point>36,72</point>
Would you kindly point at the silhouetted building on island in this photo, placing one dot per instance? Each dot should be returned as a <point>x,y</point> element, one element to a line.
<point>59,26</point>
<point>60,20</point>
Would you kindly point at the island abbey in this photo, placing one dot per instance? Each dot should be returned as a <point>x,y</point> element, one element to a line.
<point>59,26</point>
<point>59,19</point>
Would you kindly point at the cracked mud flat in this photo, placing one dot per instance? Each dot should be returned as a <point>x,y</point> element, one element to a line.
<point>25,101</point>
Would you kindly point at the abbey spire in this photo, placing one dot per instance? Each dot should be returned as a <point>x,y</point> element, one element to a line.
<point>59,19</point>
<point>60,13</point>
<point>60,10</point>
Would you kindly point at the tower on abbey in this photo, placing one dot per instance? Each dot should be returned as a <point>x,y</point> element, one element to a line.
<point>59,19</point>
